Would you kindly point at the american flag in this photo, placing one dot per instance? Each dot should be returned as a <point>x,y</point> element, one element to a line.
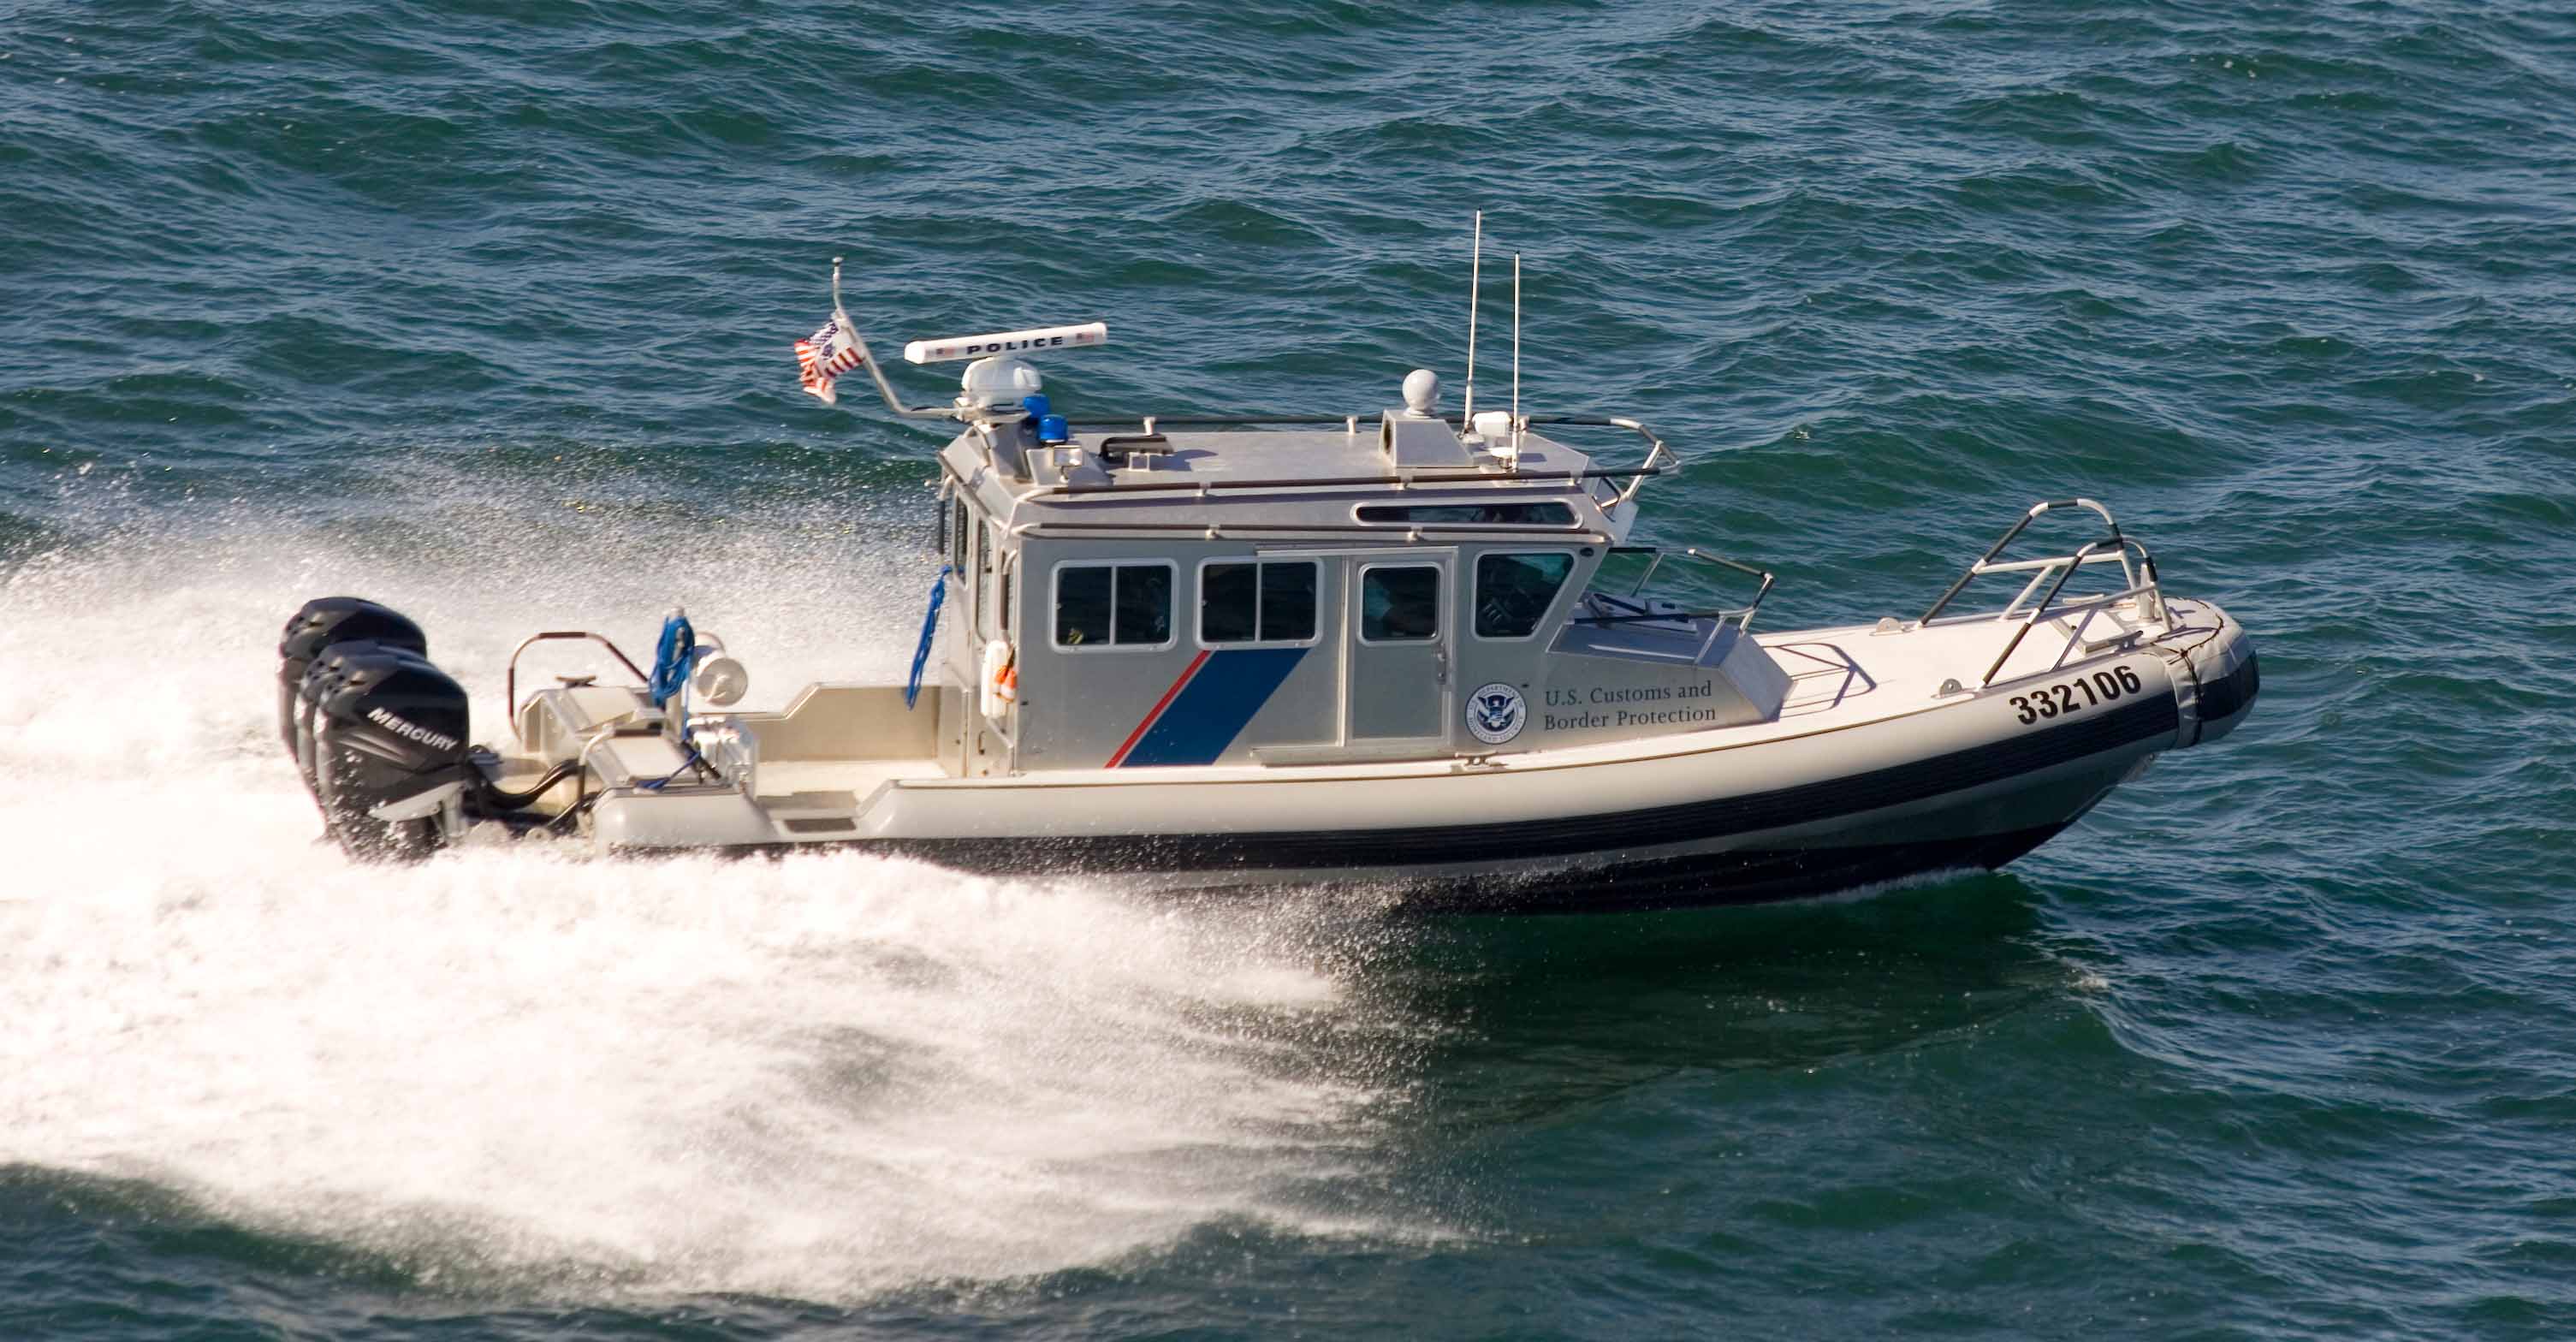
<point>825,355</point>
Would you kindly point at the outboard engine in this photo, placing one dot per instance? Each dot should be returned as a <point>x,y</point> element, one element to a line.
<point>389,751</point>
<point>323,621</point>
<point>378,732</point>
<point>329,671</point>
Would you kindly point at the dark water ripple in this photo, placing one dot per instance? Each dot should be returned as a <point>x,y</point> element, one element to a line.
<point>2282,1043</point>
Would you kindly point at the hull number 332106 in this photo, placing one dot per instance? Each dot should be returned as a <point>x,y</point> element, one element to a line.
<point>2066,696</point>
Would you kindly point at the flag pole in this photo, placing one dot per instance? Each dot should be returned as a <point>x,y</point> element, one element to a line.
<point>868,359</point>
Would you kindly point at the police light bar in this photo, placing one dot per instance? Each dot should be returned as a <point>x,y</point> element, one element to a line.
<point>1007,342</point>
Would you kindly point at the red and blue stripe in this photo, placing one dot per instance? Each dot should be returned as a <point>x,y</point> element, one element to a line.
<point>1211,703</point>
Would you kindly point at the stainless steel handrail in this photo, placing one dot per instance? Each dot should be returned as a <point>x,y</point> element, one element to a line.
<point>1743,618</point>
<point>2076,562</point>
<point>1660,455</point>
<point>1985,563</point>
<point>1437,532</point>
<point>510,682</point>
<point>1418,480</point>
<point>2052,573</point>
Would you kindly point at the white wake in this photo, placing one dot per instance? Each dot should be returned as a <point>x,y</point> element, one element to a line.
<point>821,1077</point>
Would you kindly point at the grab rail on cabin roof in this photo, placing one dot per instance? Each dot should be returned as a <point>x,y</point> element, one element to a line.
<point>2055,571</point>
<point>1418,481</point>
<point>1433,533</point>
<point>1660,456</point>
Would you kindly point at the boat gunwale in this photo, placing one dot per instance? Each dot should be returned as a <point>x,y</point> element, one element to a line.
<point>1614,753</point>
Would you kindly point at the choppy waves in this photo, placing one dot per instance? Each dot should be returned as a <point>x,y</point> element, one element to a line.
<point>485,311</point>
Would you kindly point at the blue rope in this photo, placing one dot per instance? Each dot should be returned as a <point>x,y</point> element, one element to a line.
<point>929,630</point>
<point>673,660</point>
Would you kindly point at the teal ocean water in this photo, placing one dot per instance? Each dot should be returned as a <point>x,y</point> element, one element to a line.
<point>483,309</point>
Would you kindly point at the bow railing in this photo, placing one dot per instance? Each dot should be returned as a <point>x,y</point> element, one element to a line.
<point>2038,599</point>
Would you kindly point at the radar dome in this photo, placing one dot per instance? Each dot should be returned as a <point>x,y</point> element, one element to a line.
<point>1422,391</point>
<point>998,381</point>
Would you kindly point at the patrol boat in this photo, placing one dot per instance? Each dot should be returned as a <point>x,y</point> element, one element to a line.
<point>1422,654</point>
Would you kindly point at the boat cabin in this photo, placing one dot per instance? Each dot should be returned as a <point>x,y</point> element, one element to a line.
<point>1155,594</point>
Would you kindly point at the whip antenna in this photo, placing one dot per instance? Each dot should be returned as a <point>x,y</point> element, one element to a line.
<point>1475,272</point>
<point>1516,357</point>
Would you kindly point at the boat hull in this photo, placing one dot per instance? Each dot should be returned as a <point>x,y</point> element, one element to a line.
<point>1863,779</point>
<point>1757,874</point>
<point>1969,809</point>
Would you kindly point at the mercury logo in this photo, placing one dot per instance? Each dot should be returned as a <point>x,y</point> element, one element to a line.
<point>413,730</point>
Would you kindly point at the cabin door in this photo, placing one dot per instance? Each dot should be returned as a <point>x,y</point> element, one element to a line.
<point>1396,684</point>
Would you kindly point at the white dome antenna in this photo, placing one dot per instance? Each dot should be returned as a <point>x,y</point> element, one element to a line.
<point>997,380</point>
<point>1421,392</point>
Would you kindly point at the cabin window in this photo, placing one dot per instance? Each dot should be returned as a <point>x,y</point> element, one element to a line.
<point>957,541</point>
<point>1470,514</point>
<point>1273,601</point>
<point>1400,603</point>
<point>1513,591</point>
<point>1113,605</point>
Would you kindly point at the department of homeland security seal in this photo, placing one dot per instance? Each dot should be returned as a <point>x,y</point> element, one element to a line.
<point>1496,713</point>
